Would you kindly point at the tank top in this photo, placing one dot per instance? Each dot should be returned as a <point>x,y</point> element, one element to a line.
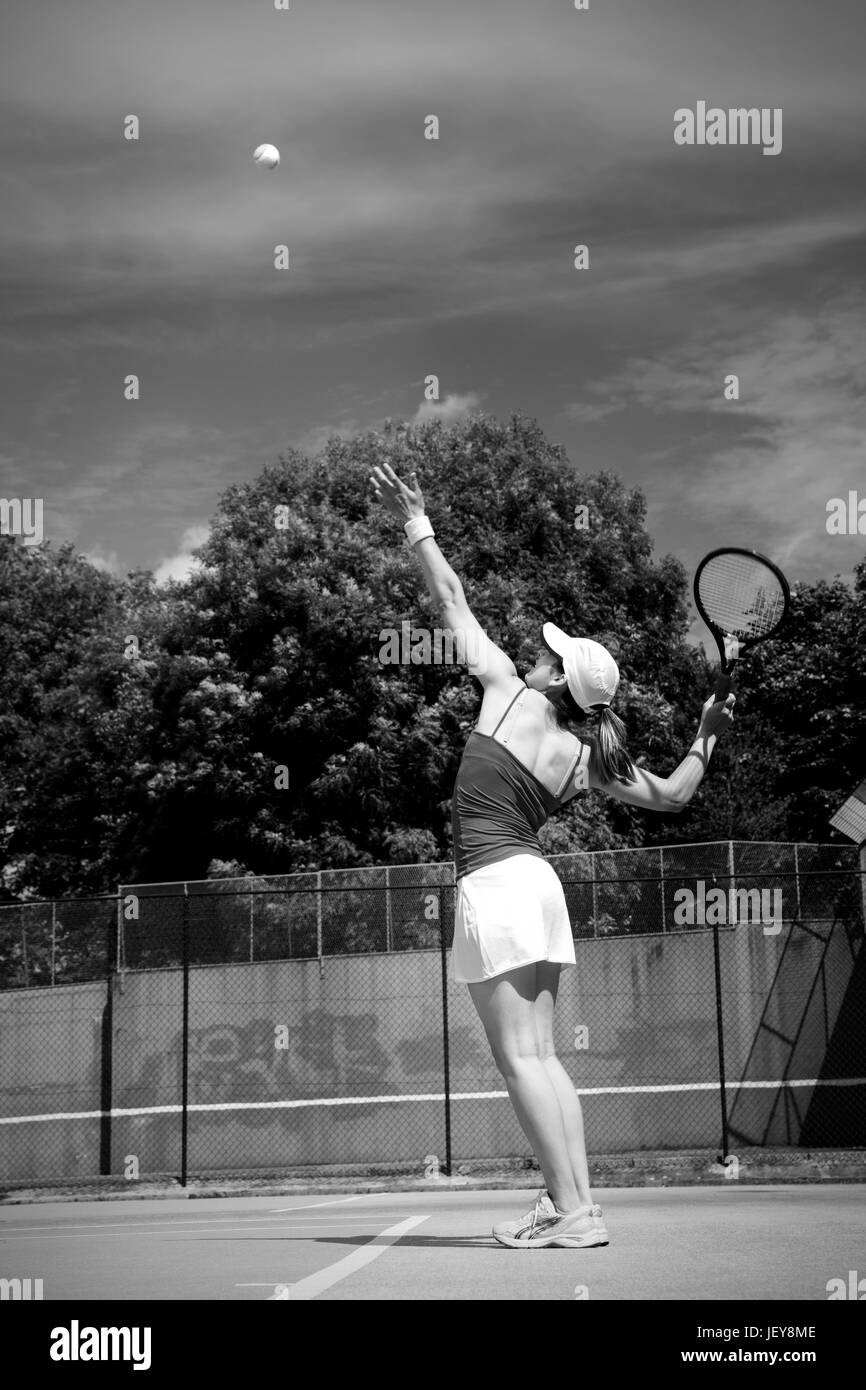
<point>499,806</point>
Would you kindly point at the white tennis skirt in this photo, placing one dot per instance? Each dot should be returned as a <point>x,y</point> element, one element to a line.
<point>507,915</point>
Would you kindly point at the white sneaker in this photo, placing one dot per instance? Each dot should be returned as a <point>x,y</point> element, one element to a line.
<point>544,1226</point>
<point>598,1220</point>
<point>543,1207</point>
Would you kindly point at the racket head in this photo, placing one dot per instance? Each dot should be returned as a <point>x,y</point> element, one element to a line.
<point>740,593</point>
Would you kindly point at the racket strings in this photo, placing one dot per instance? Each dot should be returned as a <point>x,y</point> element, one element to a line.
<point>741,595</point>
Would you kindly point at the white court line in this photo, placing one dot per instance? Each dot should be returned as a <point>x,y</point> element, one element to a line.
<point>416,1099</point>
<point>171,1221</point>
<point>317,1283</point>
<point>144,1227</point>
<point>288,1226</point>
<point>332,1202</point>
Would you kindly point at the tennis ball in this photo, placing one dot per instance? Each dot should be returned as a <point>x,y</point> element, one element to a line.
<point>266,156</point>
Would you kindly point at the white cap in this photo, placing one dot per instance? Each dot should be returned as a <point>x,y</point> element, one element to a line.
<point>591,673</point>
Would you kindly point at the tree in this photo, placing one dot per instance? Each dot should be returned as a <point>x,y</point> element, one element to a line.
<point>798,745</point>
<point>302,611</point>
<point>255,722</point>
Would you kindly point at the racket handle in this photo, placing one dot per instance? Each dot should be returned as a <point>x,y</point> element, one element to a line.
<point>723,686</point>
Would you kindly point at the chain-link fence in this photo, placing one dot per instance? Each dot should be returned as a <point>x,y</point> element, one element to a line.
<point>266,1025</point>
<point>56,1037</point>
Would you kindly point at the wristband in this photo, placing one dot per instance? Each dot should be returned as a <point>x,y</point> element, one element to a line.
<point>418,529</point>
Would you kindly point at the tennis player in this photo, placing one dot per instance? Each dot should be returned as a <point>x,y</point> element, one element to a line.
<point>512,934</point>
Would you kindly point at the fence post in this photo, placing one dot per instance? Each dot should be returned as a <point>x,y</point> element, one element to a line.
<point>732,886</point>
<point>119,949</point>
<point>252,906</point>
<point>319,922</point>
<point>594,896</point>
<point>388,908</point>
<point>106,1084</point>
<point>184,1083</point>
<point>53,937</point>
<point>797,877</point>
<point>720,1033</point>
<point>662,885</point>
<point>446,1049</point>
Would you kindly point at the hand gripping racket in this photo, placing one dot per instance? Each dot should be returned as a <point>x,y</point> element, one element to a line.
<point>743,596</point>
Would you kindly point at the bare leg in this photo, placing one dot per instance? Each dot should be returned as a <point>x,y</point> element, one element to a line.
<point>506,1008</point>
<point>547,980</point>
<point>572,1122</point>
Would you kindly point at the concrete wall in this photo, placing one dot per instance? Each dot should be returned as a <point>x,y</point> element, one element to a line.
<point>362,1026</point>
<point>50,1063</point>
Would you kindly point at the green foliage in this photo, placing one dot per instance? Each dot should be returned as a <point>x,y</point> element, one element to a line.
<point>798,745</point>
<point>162,766</point>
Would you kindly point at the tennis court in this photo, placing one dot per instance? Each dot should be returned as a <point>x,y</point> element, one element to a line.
<point>730,1243</point>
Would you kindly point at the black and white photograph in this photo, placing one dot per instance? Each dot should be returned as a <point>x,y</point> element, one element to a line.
<point>432,673</point>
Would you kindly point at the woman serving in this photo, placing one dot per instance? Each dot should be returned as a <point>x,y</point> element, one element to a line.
<point>512,934</point>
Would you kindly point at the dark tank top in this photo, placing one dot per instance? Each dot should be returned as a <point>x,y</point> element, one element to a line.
<point>499,806</point>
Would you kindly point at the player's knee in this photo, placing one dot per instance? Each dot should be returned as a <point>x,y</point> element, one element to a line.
<point>512,1056</point>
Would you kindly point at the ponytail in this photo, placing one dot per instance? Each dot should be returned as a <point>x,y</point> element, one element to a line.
<point>609,758</point>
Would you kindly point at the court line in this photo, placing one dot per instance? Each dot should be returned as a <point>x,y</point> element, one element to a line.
<point>332,1202</point>
<point>680,1087</point>
<point>315,1284</point>
<point>185,1220</point>
<point>287,1226</point>
<point>213,1222</point>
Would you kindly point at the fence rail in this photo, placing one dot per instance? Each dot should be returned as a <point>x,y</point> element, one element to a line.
<point>381,909</point>
<point>718,1001</point>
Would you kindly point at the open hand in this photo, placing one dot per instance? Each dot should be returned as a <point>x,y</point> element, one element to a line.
<point>401,501</point>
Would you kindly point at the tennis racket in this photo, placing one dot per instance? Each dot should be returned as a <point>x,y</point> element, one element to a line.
<point>742,596</point>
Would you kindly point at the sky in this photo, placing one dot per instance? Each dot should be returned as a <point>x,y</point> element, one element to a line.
<point>410,257</point>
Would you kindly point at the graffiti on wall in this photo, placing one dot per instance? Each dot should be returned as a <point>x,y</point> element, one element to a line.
<point>316,1055</point>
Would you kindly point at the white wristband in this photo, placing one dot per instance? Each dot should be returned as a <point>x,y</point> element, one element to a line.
<point>418,529</point>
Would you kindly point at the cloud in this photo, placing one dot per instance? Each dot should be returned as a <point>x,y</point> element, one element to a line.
<point>314,440</point>
<point>182,564</point>
<point>156,256</point>
<point>108,564</point>
<point>449,411</point>
<point>589,412</point>
<point>767,464</point>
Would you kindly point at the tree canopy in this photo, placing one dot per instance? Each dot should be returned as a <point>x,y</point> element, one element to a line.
<point>160,758</point>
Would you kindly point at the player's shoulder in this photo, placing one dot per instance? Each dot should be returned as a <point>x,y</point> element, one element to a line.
<point>498,699</point>
<point>568,739</point>
<point>580,754</point>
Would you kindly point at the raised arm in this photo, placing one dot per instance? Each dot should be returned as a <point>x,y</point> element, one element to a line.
<point>473,647</point>
<point>673,793</point>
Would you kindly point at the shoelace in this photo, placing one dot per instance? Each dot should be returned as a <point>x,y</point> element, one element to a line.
<point>538,1204</point>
